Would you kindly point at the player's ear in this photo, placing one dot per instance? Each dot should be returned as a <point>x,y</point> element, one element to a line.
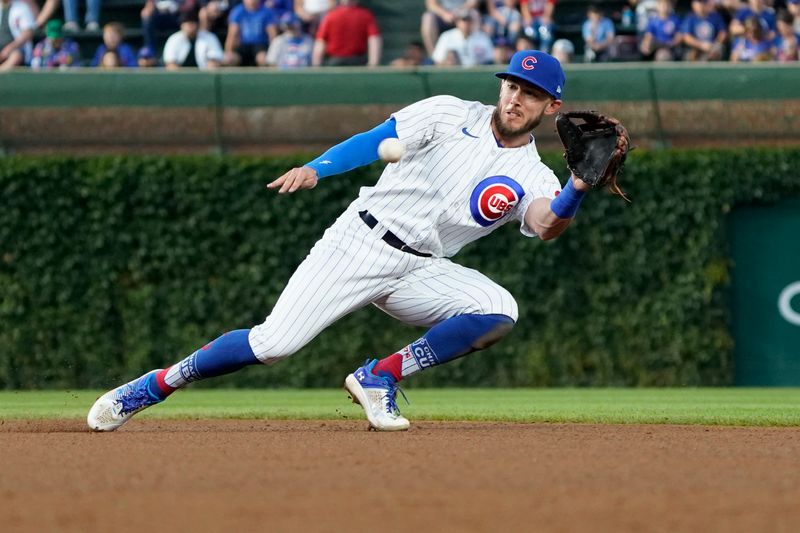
<point>552,107</point>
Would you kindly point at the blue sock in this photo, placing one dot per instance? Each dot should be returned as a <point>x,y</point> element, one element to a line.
<point>453,338</point>
<point>227,354</point>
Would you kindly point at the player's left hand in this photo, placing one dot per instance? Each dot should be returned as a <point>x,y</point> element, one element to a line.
<point>596,147</point>
<point>295,179</point>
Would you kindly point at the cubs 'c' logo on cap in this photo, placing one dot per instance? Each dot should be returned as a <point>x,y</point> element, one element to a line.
<point>493,197</point>
<point>528,62</point>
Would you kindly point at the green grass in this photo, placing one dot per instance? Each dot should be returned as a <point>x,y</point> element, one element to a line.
<point>745,407</point>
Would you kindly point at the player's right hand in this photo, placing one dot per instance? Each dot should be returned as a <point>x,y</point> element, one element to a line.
<point>295,179</point>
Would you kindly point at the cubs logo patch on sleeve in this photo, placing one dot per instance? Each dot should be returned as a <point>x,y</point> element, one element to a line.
<point>493,197</point>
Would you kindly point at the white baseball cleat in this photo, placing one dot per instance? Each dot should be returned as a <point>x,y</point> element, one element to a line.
<point>377,396</point>
<point>117,406</point>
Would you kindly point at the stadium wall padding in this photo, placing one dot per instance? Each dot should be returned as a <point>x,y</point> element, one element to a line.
<point>259,88</point>
<point>261,111</point>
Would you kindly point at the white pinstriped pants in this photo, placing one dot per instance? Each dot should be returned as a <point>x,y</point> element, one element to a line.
<point>350,267</point>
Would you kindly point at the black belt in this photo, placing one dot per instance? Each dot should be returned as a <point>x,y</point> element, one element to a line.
<point>390,238</point>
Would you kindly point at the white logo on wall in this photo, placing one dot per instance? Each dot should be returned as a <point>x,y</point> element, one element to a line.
<point>785,303</point>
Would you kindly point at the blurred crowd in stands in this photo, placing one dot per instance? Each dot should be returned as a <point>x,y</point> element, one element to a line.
<point>209,34</point>
<point>468,32</point>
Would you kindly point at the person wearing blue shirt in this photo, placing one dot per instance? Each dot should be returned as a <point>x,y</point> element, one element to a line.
<point>754,45</point>
<point>758,8</point>
<point>112,42</point>
<point>598,34</point>
<point>662,36</point>
<point>704,32</point>
<point>786,43</point>
<point>280,7</point>
<point>251,26</point>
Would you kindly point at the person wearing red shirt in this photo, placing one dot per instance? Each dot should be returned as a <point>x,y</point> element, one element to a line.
<point>348,35</point>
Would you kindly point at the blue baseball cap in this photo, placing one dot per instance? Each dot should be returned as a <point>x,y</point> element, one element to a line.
<point>146,52</point>
<point>289,19</point>
<point>539,69</point>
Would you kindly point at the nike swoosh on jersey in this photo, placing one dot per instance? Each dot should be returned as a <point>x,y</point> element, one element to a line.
<point>468,134</point>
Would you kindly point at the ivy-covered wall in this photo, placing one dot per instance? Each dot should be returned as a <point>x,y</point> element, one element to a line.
<point>112,266</point>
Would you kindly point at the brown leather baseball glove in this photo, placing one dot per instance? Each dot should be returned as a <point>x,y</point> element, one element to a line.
<point>595,147</point>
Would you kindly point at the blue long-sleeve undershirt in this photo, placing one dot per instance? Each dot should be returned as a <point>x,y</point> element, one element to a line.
<point>359,150</point>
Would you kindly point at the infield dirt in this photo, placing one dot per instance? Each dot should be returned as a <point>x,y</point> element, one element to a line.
<point>335,476</point>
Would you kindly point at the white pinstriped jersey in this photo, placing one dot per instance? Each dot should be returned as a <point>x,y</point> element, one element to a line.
<point>454,184</point>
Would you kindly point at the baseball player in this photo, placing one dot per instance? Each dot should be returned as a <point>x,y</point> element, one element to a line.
<point>468,168</point>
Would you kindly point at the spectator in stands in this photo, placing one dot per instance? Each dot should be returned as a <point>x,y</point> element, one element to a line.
<point>662,37</point>
<point>250,28</point>
<point>311,12</point>
<point>110,60</point>
<point>92,17</point>
<point>469,45</point>
<point>213,15</point>
<point>17,24</point>
<point>754,45</point>
<point>348,35</point>
<point>113,34</point>
<point>47,11</point>
<point>192,47</point>
<point>503,24</point>
<point>643,11</point>
<point>293,47</point>
<point>452,59</point>
<point>564,51</point>
<point>163,15</point>
<point>757,8</point>
<point>54,51</point>
<point>786,43</point>
<point>439,17</point>
<point>414,56</point>
<point>538,24</point>
<point>598,35</point>
<point>146,58</point>
<point>279,7</point>
<point>704,32</point>
<point>794,8</point>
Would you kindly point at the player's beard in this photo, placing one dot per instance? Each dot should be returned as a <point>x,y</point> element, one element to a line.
<point>506,131</point>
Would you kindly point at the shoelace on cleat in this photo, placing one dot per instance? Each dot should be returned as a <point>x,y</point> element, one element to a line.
<point>391,391</point>
<point>391,397</point>
<point>135,398</point>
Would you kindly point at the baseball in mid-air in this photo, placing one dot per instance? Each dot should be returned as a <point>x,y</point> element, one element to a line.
<point>391,150</point>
